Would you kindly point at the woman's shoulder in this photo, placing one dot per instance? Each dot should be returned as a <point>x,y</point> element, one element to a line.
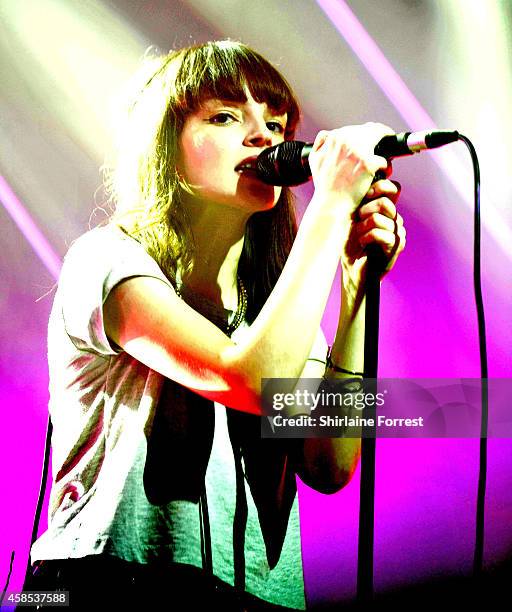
<point>106,242</point>
<point>107,252</point>
<point>106,235</point>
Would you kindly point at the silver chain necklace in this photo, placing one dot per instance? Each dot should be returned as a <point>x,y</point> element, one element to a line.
<point>241,309</point>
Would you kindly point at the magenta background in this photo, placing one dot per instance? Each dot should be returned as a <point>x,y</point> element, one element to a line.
<point>426,489</point>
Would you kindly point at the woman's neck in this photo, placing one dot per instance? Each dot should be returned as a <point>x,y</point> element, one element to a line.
<point>218,234</point>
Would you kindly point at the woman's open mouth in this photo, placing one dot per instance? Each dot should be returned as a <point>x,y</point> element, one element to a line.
<point>247,166</point>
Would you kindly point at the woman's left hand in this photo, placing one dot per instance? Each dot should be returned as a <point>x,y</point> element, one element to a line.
<point>376,221</point>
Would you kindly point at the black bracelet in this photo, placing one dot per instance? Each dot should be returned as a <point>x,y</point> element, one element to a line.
<point>336,368</point>
<point>315,359</point>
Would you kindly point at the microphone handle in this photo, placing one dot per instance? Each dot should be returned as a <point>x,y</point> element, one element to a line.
<point>393,146</point>
<point>408,143</point>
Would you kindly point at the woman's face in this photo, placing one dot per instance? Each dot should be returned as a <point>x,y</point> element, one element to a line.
<point>218,146</point>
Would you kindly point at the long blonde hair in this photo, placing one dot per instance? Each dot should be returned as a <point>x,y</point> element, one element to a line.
<point>144,184</point>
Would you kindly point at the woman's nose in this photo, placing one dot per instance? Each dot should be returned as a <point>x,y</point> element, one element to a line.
<point>259,136</point>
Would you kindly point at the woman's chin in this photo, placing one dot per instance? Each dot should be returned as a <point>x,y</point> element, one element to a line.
<point>259,194</point>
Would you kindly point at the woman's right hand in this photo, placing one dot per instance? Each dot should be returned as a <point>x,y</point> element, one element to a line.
<point>343,162</point>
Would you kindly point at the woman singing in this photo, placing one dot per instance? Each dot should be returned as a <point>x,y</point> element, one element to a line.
<point>166,320</point>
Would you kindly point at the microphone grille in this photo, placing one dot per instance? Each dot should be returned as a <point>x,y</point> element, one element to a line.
<point>283,164</point>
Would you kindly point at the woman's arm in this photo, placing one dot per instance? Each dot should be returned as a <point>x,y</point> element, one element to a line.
<point>327,464</point>
<point>147,319</point>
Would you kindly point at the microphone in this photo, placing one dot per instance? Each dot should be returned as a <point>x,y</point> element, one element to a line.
<point>287,164</point>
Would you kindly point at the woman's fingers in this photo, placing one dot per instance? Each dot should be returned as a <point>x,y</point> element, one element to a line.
<point>378,221</point>
<point>382,206</point>
<point>388,232</point>
<point>383,187</point>
<point>385,238</point>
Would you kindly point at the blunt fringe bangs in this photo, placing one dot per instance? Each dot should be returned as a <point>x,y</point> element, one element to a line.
<point>223,69</point>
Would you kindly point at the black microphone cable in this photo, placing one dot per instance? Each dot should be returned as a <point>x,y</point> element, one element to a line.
<point>37,515</point>
<point>42,490</point>
<point>367,495</point>
<point>6,586</point>
<point>477,282</point>
<point>433,140</point>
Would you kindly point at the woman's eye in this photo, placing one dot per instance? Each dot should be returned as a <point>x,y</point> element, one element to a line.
<point>275,126</point>
<point>223,118</point>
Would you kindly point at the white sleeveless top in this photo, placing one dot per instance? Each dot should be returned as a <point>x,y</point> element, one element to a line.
<point>108,495</point>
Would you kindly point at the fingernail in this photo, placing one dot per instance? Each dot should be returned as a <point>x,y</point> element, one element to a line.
<point>371,191</point>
